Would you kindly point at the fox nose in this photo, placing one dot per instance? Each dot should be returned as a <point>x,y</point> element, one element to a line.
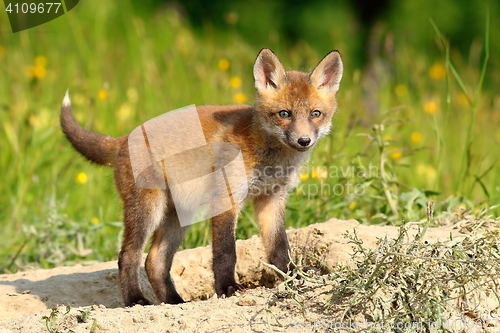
<point>304,141</point>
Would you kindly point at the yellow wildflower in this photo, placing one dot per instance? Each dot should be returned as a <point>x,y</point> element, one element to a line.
<point>396,154</point>
<point>224,64</point>
<point>95,220</point>
<point>102,94</point>
<point>319,173</point>
<point>40,61</point>
<point>240,98</point>
<point>437,72</point>
<point>304,176</point>
<point>401,90</point>
<point>39,72</point>
<point>352,205</point>
<point>387,137</point>
<point>81,178</point>
<point>430,107</point>
<point>416,137</point>
<point>2,51</point>
<point>235,82</point>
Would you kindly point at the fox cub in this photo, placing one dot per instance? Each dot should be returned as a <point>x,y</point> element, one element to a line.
<point>292,111</point>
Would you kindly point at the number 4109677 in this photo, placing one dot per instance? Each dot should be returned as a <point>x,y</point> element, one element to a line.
<point>33,7</point>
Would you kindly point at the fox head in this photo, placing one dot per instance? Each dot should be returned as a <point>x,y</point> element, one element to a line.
<point>296,107</point>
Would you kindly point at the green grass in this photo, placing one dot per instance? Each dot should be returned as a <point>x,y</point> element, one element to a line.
<point>146,66</point>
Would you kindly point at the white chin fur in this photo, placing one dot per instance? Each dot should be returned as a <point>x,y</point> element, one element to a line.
<point>323,131</point>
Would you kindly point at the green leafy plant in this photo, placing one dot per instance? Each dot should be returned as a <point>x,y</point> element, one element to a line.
<point>51,324</point>
<point>408,282</point>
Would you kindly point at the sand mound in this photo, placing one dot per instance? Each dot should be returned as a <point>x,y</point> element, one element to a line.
<point>94,299</point>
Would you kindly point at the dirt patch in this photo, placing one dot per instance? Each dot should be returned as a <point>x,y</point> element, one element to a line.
<point>88,298</point>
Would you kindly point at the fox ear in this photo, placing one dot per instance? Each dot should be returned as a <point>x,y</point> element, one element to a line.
<point>268,70</point>
<point>328,73</point>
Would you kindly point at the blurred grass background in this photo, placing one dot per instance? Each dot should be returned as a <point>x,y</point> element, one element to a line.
<point>419,131</point>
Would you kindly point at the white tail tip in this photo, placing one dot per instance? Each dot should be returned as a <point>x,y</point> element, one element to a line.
<point>66,101</point>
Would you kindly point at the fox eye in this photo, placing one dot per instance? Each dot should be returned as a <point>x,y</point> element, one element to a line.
<point>284,114</point>
<point>315,114</point>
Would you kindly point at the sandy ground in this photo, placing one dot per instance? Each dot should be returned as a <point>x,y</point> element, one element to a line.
<point>93,293</point>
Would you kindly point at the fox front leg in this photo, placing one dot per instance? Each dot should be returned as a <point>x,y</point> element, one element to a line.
<point>270,211</point>
<point>224,253</point>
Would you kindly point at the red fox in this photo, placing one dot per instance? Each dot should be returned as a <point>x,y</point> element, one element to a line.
<point>292,111</point>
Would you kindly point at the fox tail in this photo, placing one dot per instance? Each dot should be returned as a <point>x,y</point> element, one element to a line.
<point>97,148</point>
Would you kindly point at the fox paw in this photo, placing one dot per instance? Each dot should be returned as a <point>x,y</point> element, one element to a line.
<point>141,301</point>
<point>228,291</point>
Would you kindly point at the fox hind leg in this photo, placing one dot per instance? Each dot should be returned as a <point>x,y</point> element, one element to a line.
<point>166,241</point>
<point>143,212</point>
